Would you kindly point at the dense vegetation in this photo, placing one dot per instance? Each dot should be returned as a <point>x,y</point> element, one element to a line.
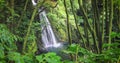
<point>91,27</point>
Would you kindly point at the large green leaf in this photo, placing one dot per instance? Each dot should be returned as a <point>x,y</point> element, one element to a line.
<point>49,58</point>
<point>17,57</point>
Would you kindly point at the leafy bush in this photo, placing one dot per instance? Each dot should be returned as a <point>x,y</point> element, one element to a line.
<point>7,39</point>
<point>14,56</point>
<point>48,58</point>
<point>7,42</point>
<point>86,56</point>
<point>19,58</point>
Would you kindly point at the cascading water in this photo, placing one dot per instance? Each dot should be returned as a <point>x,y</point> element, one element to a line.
<point>48,37</point>
<point>49,40</point>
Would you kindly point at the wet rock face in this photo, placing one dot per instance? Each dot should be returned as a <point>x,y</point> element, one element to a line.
<point>40,51</point>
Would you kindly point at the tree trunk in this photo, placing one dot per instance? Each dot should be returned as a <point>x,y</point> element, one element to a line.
<point>68,26</point>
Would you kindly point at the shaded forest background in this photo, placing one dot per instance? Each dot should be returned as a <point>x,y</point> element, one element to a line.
<point>91,28</point>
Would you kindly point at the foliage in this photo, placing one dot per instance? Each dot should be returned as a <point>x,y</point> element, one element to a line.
<point>7,39</point>
<point>14,56</point>
<point>83,54</point>
<point>48,58</point>
<point>3,10</point>
<point>117,2</point>
<point>115,34</point>
<point>19,58</point>
<point>90,23</point>
<point>86,56</point>
<point>2,4</point>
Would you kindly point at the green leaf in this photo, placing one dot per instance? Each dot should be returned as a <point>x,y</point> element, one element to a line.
<point>73,48</point>
<point>40,58</point>
<point>49,57</point>
<point>1,51</point>
<point>113,34</point>
<point>14,56</point>
<point>3,61</point>
<point>113,45</point>
<point>28,58</point>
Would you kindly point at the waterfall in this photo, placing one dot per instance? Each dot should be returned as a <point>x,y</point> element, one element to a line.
<point>50,43</point>
<point>48,36</point>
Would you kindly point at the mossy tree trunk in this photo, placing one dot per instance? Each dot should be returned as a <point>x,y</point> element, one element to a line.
<point>76,23</point>
<point>29,26</point>
<point>68,24</point>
